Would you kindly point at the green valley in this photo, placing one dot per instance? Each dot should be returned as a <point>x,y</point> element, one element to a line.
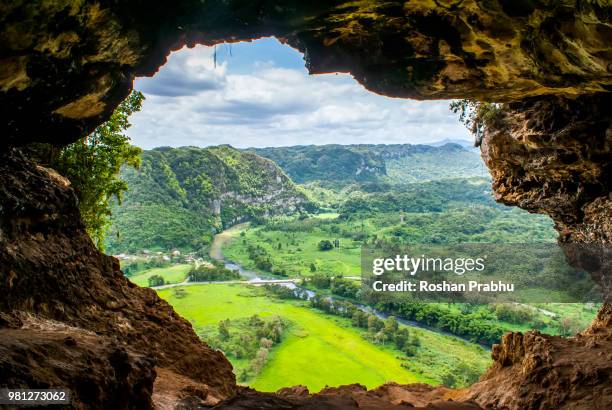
<point>333,351</point>
<point>292,247</point>
<point>190,210</point>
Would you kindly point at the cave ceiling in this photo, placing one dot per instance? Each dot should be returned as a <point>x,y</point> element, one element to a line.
<point>65,65</point>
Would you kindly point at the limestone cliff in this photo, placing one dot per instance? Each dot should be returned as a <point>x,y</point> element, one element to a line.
<point>553,155</point>
<point>181,196</point>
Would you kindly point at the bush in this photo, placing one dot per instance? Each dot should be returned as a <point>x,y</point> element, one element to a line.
<point>205,273</point>
<point>513,313</point>
<point>156,280</point>
<point>320,281</point>
<point>179,293</point>
<point>344,287</point>
<point>325,245</point>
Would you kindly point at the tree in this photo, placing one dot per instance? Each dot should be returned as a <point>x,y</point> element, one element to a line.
<point>380,337</point>
<point>325,245</point>
<point>265,343</point>
<point>356,318</point>
<point>374,324</point>
<point>477,116</point>
<point>224,333</point>
<point>156,280</point>
<point>255,321</point>
<point>360,318</point>
<point>410,350</point>
<point>92,165</point>
<point>259,361</point>
<point>391,325</point>
<point>320,281</point>
<point>401,337</point>
<point>313,267</point>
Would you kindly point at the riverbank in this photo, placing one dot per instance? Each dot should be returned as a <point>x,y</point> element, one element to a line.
<point>222,238</point>
<point>253,277</point>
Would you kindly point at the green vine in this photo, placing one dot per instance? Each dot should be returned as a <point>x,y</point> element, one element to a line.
<point>477,116</point>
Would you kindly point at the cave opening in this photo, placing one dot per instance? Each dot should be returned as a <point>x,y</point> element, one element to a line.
<point>234,105</point>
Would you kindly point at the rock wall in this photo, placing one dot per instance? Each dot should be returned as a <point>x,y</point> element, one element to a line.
<point>41,353</point>
<point>553,155</point>
<point>112,334</point>
<point>537,371</point>
<point>72,62</point>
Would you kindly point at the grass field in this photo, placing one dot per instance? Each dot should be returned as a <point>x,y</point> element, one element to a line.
<point>319,350</point>
<point>171,274</point>
<point>298,251</point>
<point>292,246</point>
<point>292,243</point>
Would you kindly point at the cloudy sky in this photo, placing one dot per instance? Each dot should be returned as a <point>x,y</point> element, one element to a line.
<point>259,94</point>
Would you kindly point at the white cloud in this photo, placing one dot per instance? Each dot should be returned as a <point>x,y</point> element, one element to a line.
<point>187,72</point>
<point>193,102</point>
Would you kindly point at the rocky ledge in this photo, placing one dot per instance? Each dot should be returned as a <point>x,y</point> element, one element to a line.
<point>83,315</point>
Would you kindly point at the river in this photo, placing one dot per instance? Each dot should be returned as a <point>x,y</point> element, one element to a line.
<point>253,277</point>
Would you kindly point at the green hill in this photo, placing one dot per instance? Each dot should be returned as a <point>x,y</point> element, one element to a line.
<point>181,196</point>
<point>339,165</point>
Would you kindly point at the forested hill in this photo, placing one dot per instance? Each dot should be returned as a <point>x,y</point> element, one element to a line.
<point>397,163</point>
<point>180,196</point>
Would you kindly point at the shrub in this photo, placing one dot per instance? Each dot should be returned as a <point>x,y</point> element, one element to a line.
<point>325,245</point>
<point>205,273</point>
<point>156,280</point>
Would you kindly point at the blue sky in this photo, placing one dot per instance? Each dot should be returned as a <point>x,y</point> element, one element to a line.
<point>259,94</point>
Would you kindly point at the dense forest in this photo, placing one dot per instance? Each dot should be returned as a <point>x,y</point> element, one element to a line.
<point>181,196</point>
<point>339,165</point>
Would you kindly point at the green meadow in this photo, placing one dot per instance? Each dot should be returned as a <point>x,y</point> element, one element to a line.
<point>317,349</point>
<point>291,246</point>
<point>298,250</point>
<point>171,274</point>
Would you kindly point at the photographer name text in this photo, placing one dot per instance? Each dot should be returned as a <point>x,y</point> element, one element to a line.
<point>426,286</point>
<point>412,266</point>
